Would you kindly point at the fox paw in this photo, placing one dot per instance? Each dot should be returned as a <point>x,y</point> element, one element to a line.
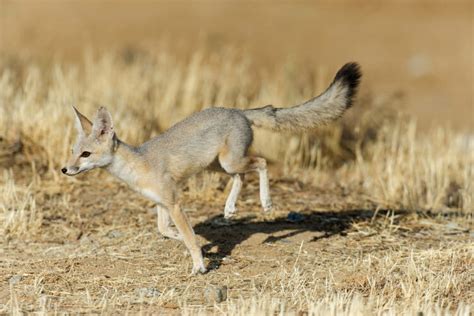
<point>267,206</point>
<point>198,270</point>
<point>171,234</point>
<point>229,212</point>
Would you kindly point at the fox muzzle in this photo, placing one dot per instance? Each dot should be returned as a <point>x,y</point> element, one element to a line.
<point>70,171</point>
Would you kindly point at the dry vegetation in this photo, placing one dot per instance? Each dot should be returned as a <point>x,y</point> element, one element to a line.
<point>386,211</point>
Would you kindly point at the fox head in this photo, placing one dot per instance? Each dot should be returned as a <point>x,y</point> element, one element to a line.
<point>94,145</point>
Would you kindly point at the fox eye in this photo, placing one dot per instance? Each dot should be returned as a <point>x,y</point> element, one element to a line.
<point>85,154</point>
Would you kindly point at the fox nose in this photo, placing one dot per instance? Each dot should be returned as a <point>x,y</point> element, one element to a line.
<point>64,170</point>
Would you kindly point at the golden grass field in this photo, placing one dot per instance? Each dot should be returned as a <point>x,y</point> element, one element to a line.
<point>385,207</point>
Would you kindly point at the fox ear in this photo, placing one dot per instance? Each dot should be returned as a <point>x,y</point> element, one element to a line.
<point>102,127</point>
<point>83,125</point>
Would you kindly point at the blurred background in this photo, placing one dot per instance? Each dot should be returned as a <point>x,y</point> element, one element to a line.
<point>418,52</point>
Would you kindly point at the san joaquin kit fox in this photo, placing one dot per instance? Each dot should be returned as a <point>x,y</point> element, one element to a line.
<point>213,136</point>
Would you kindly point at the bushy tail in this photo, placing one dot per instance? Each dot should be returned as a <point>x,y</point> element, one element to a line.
<point>322,109</point>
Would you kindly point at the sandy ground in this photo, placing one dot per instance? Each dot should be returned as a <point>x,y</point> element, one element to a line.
<point>103,252</point>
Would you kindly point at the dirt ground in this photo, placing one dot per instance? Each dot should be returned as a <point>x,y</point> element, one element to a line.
<point>103,252</point>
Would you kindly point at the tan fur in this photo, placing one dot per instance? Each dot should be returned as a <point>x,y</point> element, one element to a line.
<point>328,106</point>
<point>156,167</point>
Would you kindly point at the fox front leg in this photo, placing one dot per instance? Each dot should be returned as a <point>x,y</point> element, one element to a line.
<point>164,224</point>
<point>164,194</point>
<point>189,238</point>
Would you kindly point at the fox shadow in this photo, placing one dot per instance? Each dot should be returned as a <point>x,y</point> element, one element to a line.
<point>226,236</point>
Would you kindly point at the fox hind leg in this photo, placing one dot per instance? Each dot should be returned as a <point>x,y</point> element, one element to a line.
<point>260,164</point>
<point>230,208</point>
<point>233,164</point>
<point>234,160</point>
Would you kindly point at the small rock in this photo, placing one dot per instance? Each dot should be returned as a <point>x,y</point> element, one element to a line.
<point>86,240</point>
<point>221,221</point>
<point>294,217</point>
<point>216,294</point>
<point>452,226</point>
<point>114,234</point>
<point>15,279</point>
<point>148,292</point>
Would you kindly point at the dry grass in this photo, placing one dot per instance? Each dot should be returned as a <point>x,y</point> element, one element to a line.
<point>388,209</point>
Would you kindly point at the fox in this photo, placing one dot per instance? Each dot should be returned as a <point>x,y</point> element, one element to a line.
<point>213,138</point>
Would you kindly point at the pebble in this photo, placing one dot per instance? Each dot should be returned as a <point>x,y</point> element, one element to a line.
<point>114,234</point>
<point>148,292</point>
<point>215,294</point>
<point>15,279</point>
<point>221,221</point>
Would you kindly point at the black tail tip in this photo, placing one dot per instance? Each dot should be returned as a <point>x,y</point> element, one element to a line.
<point>350,75</point>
